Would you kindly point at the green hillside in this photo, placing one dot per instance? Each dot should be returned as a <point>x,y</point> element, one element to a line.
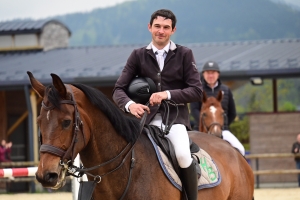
<point>198,21</point>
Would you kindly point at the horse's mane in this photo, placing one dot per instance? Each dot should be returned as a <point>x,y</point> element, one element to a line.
<point>127,127</point>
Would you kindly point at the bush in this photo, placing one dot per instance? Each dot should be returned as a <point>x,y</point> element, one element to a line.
<point>240,128</point>
<point>288,106</point>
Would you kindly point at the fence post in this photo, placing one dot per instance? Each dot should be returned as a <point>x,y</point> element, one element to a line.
<point>257,176</point>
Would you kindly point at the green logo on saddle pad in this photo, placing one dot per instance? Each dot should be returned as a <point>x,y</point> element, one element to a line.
<point>211,174</point>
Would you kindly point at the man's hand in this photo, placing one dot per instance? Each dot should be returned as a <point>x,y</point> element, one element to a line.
<point>138,109</point>
<point>157,97</point>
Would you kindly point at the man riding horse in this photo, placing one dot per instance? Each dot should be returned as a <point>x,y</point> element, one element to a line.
<point>172,68</point>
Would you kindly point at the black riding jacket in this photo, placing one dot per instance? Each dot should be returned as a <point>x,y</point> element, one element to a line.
<point>228,104</point>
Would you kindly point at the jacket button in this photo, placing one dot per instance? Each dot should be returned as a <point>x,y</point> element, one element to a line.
<point>158,84</point>
<point>158,74</point>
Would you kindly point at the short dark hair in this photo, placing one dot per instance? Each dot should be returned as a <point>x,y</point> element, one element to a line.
<point>168,14</point>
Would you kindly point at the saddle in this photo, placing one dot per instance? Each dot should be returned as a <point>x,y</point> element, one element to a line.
<point>167,147</point>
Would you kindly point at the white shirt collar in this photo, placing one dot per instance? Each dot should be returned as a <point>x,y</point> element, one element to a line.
<point>166,48</point>
<point>172,46</point>
<point>216,84</point>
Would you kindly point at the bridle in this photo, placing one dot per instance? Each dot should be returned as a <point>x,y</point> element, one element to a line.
<point>69,155</point>
<point>208,127</point>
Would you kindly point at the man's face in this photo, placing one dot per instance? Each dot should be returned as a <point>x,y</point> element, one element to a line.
<point>161,31</point>
<point>211,76</point>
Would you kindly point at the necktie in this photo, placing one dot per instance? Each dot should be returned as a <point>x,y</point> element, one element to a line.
<point>160,58</point>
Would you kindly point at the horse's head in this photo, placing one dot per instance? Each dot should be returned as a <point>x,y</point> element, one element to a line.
<point>61,131</point>
<point>211,118</point>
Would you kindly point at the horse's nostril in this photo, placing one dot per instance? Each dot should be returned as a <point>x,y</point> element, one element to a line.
<point>51,177</point>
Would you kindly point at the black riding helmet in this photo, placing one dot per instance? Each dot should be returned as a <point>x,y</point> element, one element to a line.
<point>140,89</point>
<point>211,66</point>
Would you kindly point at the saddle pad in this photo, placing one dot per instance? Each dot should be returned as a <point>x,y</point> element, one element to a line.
<point>210,175</point>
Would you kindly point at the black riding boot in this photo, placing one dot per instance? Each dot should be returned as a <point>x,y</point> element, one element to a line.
<point>190,181</point>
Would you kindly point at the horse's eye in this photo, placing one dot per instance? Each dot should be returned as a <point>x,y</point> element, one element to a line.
<point>66,123</point>
<point>203,114</point>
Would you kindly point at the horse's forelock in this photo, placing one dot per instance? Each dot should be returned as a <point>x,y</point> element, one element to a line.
<point>53,96</point>
<point>214,101</point>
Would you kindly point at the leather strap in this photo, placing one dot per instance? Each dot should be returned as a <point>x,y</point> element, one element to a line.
<point>46,148</point>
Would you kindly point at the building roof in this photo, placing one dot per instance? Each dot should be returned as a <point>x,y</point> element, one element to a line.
<point>23,27</point>
<point>102,65</point>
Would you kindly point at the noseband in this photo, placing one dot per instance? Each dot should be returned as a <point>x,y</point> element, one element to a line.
<point>67,155</point>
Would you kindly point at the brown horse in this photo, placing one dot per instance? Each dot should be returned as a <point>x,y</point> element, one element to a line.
<point>80,119</point>
<point>212,115</point>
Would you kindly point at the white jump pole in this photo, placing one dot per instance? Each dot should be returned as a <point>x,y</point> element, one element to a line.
<point>30,171</point>
<point>17,172</point>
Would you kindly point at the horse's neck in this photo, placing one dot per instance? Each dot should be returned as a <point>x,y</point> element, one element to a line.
<point>104,143</point>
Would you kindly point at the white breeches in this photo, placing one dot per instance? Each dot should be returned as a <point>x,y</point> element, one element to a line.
<point>179,137</point>
<point>229,137</point>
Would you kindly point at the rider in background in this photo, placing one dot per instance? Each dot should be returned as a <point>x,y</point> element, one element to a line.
<point>211,86</point>
<point>172,68</point>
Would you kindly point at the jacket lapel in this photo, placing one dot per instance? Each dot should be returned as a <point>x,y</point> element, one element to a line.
<point>171,53</point>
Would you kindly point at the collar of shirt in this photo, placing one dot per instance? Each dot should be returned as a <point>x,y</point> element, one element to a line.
<point>166,48</point>
<point>216,84</point>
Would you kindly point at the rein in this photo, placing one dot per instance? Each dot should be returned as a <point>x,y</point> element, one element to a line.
<point>142,123</point>
<point>73,169</point>
<point>85,170</point>
<point>69,153</point>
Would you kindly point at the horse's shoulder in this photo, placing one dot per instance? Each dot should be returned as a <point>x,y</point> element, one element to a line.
<point>201,135</point>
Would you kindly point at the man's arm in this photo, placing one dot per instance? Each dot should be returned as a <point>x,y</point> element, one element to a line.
<point>129,72</point>
<point>119,95</point>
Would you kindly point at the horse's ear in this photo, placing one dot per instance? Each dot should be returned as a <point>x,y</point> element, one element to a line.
<point>38,87</point>
<point>204,97</point>
<point>220,96</point>
<point>59,85</point>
